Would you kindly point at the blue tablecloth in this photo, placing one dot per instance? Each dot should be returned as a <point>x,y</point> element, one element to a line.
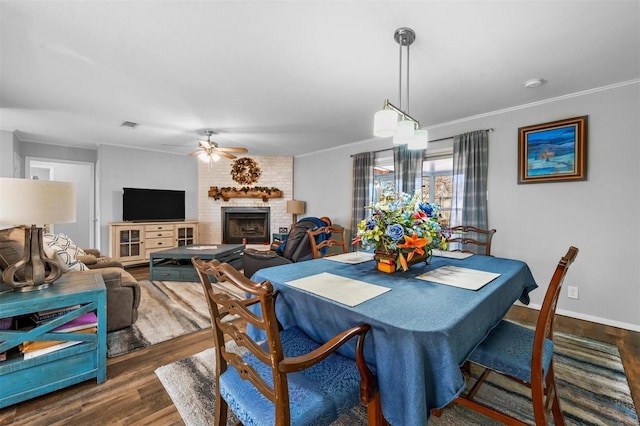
<point>421,331</point>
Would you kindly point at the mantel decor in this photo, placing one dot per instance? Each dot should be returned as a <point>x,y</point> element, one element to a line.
<point>553,152</point>
<point>245,192</point>
<point>402,230</point>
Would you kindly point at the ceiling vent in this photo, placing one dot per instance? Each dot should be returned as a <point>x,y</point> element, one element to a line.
<point>129,124</point>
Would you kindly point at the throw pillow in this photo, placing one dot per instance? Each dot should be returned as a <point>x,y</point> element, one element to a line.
<point>64,251</point>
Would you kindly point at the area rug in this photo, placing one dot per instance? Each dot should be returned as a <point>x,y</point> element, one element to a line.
<point>591,383</point>
<point>168,309</point>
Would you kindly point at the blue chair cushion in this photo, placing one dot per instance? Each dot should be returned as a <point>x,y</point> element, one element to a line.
<point>317,395</point>
<point>508,350</point>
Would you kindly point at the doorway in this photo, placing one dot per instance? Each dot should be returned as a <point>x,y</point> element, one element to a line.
<point>82,231</point>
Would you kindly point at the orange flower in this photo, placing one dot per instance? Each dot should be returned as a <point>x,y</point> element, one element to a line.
<point>414,241</point>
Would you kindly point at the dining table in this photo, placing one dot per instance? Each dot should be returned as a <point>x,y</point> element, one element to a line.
<point>421,330</point>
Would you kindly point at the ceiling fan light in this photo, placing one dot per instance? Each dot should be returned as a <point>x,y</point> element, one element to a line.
<point>215,157</point>
<point>404,132</point>
<point>420,140</point>
<point>385,123</point>
<point>204,156</point>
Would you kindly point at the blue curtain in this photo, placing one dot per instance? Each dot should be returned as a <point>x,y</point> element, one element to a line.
<point>470,169</point>
<point>407,168</point>
<point>362,187</point>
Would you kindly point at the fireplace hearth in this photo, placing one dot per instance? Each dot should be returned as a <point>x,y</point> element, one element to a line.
<point>250,225</point>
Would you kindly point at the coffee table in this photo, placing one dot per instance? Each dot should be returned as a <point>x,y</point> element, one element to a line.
<point>175,264</point>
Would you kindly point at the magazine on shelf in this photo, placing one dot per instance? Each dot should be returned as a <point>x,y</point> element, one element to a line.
<point>49,349</point>
<point>87,320</point>
<point>44,316</point>
<point>36,345</point>
<point>5,324</point>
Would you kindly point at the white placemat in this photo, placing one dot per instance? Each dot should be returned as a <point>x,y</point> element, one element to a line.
<point>344,290</point>
<point>352,257</point>
<point>471,279</point>
<point>451,254</point>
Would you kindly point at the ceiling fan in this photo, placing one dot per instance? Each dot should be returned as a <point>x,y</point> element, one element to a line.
<point>209,150</point>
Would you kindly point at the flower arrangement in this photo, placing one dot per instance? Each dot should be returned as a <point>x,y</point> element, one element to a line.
<point>401,228</point>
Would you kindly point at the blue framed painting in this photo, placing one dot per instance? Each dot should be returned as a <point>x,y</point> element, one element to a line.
<point>553,152</point>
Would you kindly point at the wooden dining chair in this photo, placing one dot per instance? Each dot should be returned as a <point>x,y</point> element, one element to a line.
<point>525,356</point>
<point>471,239</point>
<point>289,378</point>
<point>325,237</point>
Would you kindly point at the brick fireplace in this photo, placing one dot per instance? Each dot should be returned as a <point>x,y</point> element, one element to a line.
<point>277,171</point>
<point>250,223</point>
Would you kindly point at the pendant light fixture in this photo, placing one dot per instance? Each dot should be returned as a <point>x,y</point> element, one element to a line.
<point>393,120</point>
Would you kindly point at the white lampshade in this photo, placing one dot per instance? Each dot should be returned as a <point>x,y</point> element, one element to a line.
<point>420,140</point>
<point>405,132</point>
<point>385,123</point>
<point>36,202</point>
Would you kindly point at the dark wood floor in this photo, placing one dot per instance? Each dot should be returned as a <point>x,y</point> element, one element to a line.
<point>133,395</point>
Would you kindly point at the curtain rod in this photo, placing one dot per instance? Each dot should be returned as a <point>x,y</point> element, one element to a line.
<point>435,140</point>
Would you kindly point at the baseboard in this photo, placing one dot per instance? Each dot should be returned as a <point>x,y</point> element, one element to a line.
<point>591,318</point>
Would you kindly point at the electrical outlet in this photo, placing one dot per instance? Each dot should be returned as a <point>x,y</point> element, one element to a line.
<point>572,292</point>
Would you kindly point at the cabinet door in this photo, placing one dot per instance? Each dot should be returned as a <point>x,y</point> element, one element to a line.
<point>130,243</point>
<point>186,235</point>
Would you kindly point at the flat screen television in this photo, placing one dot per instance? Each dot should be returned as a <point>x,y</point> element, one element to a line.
<point>148,205</point>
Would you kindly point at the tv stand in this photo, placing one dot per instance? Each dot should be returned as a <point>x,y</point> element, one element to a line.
<point>132,243</point>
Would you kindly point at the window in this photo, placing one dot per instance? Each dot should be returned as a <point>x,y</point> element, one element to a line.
<point>437,178</point>
<point>437,184</point>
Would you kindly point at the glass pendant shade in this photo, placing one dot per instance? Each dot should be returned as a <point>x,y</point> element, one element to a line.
<point>405,132</point>
<point>420,140</point>
<point>206,157</point>
<point>385,123</point>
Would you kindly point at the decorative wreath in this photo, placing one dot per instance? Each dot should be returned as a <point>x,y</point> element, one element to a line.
<point>245,171</point>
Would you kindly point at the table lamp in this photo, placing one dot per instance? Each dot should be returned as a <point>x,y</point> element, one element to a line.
<point>36,202</point>
<point>295,207</point>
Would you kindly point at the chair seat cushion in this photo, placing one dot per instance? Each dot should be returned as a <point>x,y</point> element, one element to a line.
<point>317,395</point>
<point>507,350</point>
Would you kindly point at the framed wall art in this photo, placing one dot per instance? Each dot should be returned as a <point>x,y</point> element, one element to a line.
<point>553,152</point>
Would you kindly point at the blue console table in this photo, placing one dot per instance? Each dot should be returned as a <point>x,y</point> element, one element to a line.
<point>24,379</point>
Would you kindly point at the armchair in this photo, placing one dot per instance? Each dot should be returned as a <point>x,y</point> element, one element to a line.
<point>295,248</point>
<point>123,291</point>
<point>290,379</point>
<point>94,260</point>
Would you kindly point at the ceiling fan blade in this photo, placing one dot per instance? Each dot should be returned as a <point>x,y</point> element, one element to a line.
<point>194,153</point>
<point>233,149</point>
<point>205,144</point>
<point>224,154</point>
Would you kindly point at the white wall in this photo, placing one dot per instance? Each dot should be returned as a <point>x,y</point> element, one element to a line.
<point>126,167</point>
<point>6,154</point>
<point>537,222</point>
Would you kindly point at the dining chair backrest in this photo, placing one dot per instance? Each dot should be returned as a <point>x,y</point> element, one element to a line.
<point>264,368</point>
<point>547,314</point>
<point>469,239</point>
<point>523,355</point>
<point>324,238</point>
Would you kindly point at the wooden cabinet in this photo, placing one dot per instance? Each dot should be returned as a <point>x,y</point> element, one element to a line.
<point>23,379</point>
<point>132,243</point>
<point>127,243</point>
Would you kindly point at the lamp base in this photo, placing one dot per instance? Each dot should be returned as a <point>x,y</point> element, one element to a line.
<point>32,265</point>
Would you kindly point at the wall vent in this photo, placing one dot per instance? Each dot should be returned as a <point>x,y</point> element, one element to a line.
<point>129,124</point>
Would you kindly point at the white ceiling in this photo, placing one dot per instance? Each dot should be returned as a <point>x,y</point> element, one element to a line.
<point>285,77</point>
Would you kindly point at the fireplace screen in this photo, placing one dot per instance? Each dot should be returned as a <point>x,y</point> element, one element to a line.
<point>245,224</point>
